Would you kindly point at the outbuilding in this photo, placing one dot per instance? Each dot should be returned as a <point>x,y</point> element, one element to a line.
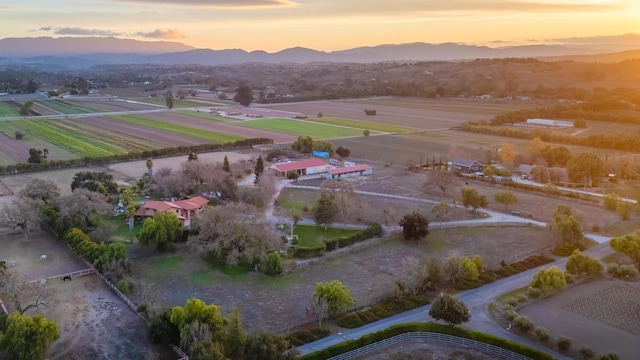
<point>303,167</point>
<point>466,165</point>
<point>350,171</point>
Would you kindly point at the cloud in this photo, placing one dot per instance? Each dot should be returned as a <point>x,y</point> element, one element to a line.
<point>46,28</point>
<point>162,34</point>
<point>220,3</point>
<point>80,31</point>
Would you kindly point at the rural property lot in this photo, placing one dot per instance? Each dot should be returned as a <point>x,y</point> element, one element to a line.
<point>421,114</point>
<point>278,303</point>
<point>302,128</point>
<point>596,314</point>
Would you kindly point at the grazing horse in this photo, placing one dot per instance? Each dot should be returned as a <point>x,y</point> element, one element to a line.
<point>65,278</point>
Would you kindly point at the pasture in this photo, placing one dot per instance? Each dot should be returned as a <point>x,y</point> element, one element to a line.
<point>278,303</point>
<point>302,128</point>
<point>601,314</point>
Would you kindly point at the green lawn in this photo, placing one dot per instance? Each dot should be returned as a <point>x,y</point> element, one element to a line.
<point>169,263</point>
<point>302,128</point>
<point>206,115</point>
<point>121,228</point>
<point>6,110</point>
<point>311,235</point>
<point>212,136</point>
<point>294,200</point>
<point>360,124</point>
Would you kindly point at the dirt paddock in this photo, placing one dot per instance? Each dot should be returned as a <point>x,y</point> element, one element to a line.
<point>93,322</point>
<point>602,314</point>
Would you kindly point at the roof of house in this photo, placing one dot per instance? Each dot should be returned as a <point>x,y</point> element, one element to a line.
<point>188,204</point>
<point>193,203</point>
<point>298,165</point>
<point>463,162</point>
<point>349,169</point>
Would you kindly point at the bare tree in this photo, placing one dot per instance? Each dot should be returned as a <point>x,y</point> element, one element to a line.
<point>26,295</point>
<point>441,179</point>
<point>343,197</point>
<point>318,309</point>
<point>24,214</point>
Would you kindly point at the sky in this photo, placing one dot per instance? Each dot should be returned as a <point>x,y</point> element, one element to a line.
<point>274,25</point>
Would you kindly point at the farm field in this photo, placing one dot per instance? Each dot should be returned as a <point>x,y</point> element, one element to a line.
<point>278,303</point>
<point>6,110</point>
<point>598,313</point>
<point>113,104</point>
<point>421,114</point>
<point>211,136</point>
<point>302,128</point>
<point>207,115</point>
<point>63,106</point>
<point>359,124</point>
<point>188,119</point>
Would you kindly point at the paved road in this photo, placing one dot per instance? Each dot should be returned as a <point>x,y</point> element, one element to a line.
<point>476,299</point>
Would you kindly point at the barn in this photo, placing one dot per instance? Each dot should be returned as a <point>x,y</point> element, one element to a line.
<point>350,171</point>
<point>303,167</point>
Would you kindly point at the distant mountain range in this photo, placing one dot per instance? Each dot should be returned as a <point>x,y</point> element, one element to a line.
<point>74,52</point>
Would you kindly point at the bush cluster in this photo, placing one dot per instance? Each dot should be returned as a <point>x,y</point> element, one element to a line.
<point>347,240</point>
<point>305,336</point>
<point>384,309</point>
<point>335,243</point>
<point>425,327</point>
<point>622,271</point>
<point>132,155</point>
<point>98,254</point>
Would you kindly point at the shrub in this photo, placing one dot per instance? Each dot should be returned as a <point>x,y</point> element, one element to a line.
<point>512,301</point>
<point>610,356</point>
<point>385,308</point>
<point>564,343</point>
<point>521,298</point>
<point>542,334</point>
<point>342,241</point>
<point>366,132</point>
<point>523,323</point>
<point>564,249</point>
<point>569,277</point>
<point>123,286</point>
<point>309,252</point>
<point>586,352</point>
<point>274,264</point>
<point>305,336</point>
<point>624,272</point>
<point>511,314</point>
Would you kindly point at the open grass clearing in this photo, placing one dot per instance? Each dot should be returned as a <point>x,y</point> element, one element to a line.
<point>302,128</point>
<point>310,235</point>
<point>212,136</point>
<point>359,124</point>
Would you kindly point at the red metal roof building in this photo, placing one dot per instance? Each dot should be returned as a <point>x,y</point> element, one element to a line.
<point>184,210</point>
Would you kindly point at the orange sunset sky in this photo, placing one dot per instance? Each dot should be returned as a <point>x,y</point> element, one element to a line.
<point>273,25</point>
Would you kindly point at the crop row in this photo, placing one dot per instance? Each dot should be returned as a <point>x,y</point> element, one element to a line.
<point>212,136</point>
<point>206,115</point>
<point>360,125</point>
<point>301,128</point>
<point>117,140</point>
<point>6,110</point>
<point>76,143</point>
<point>65,107</point>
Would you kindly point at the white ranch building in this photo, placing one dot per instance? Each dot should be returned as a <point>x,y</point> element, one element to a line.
<point>550,122</point>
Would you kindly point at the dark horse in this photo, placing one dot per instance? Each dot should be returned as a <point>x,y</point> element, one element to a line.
<point>65,278</point>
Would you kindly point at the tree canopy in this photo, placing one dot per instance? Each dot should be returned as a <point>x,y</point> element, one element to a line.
<point>567,224</point>
<point>471,198</point>
<point>161,231</point>
<point>415,226</point>
<point>335,294</point>
<point>628,245</point>
<point>27,337</point>
<point>95,181</point>
<point>549,279</point>
<point>506,198</point>
<point>450,310</point>
<point>168,99</point>
<point>244,95</point>
<point>587,169</point>
<point>580,264</point>
<point>325,211</point>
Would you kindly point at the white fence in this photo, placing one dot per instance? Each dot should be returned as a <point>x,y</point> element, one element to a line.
<point>420,336</point>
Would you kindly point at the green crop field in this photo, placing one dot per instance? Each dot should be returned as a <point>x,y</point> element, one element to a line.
<point>205,115</point>
<point>66,107</point>
<point>360,125</point>
<point>6,110</point>
<point>212,136</point>
<point>52,132</point>
<point>302,128</point>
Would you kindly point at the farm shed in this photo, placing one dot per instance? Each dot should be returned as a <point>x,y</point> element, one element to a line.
<point>184,210</point>
<point>343,172</point>
<point>550,122</point>
<point>466,165</point>
<point>304,167</point>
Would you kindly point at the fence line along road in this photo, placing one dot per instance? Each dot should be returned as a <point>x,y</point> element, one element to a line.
<point>422,337</point>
